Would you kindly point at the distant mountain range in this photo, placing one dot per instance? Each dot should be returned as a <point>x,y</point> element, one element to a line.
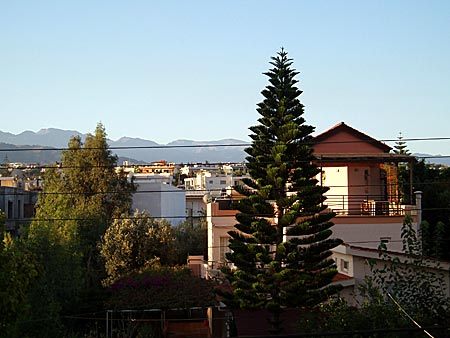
<point>138,151</point>
<point>28,147</point>
<point>436,159</point>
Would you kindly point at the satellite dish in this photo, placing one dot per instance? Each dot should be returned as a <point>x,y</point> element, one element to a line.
<point>207,198</point>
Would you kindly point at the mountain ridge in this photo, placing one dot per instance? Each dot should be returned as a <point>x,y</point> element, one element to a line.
<point>134,149</point>
<point>127,148</point>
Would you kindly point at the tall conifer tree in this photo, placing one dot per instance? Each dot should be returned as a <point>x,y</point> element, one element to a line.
<point>281,249</point>
<point>400,146</point>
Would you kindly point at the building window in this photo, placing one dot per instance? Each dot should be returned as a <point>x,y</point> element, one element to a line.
<point>223,182</point>
<point>385,240</point>
<point>344,265</point>
<point>224,242</point>
<point>10,210</point>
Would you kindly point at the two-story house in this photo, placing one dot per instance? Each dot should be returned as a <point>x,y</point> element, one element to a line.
<point>361,174</point>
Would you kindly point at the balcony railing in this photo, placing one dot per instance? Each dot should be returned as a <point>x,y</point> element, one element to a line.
<point>345,205</point>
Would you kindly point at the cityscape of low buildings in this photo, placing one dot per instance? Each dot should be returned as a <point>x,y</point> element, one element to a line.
<point>360,172</point>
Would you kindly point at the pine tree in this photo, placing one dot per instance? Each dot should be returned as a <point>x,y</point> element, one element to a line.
<point>281,250</point>
<point>400,146</point>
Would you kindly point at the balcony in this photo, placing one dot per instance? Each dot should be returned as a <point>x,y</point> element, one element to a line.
<point>344,205</point>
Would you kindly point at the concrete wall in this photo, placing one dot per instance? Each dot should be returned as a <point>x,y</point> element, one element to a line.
<point>161,201</point>
<point>336,178</point>
<point>219,223</point>
<point>369,231</point>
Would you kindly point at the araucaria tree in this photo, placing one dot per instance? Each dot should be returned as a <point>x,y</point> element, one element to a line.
<point>281,249</point>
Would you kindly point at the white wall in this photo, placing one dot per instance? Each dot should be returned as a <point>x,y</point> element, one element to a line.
<point>214,183</point>
<point>161,200</point>
<point>218,226</point>
<point>368,234</point>
<point>336,178</point>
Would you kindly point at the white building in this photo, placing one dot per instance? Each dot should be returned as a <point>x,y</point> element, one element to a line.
<point>207,183</point>
<point>214,183</point>
<point>156,195</point>
<point>353,267</point>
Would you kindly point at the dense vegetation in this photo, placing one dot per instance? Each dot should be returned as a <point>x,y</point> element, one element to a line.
<point>82,243</point>
<point>434,182</point>
<point>404,296</point>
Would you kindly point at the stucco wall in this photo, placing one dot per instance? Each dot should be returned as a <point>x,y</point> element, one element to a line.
<point>219,223</point>
<point>161,201</point>
<point>336,179</point>
<point>369,231</point>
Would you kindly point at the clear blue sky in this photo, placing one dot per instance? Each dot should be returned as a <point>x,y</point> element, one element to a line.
<point>166,70</point>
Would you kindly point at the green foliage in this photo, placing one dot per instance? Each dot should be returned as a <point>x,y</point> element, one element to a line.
<point>137,243</point>
<point>274,271</point>
<point>2,221</point>
<point>191,239</point>
<point>434,182</point>
<point>81,197</point>
<point>337,316</point>
<point>409,281</point>
<point>18,270</point>
<point>400,146</point>
<point>434,239</point>
<point>161,288</point>
<point>417,283</point>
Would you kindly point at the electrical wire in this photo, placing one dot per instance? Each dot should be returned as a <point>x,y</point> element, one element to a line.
<point>408,316</point>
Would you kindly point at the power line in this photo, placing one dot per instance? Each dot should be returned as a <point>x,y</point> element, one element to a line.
<point>408,316</point>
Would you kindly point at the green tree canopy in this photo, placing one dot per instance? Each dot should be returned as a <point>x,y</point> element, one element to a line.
<point>191,239</point>
<point>399,284</point>
<point>281,249</point>
<point>18,270</point>
<point>81,197</point>
<point>132,244</point>
<point>434,182</point>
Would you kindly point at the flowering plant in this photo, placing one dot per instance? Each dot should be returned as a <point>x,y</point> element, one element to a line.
<point>162,288</point>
